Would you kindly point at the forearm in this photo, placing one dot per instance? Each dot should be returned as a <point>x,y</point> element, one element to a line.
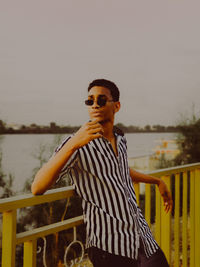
<point>138,177</point>
<point>49,172</point>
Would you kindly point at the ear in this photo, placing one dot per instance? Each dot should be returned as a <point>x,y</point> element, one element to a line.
<point>117,106</point>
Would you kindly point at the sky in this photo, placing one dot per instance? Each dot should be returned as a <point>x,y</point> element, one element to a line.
<point>51,50</point>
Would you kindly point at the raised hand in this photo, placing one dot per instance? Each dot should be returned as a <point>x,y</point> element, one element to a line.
<point>88,132</point>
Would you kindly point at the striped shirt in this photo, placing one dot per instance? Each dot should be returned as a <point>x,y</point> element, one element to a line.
<point>114,222</point>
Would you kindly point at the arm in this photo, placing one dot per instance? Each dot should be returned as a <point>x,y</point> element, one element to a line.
<point>49,172</point>
<point>138,177</point>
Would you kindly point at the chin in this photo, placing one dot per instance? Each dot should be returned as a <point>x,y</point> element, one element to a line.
<point>97,118</point>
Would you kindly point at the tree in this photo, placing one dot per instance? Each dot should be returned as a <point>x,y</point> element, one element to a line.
<point>158,128</point>
<point>5,188</point>
<point>147,128</point>
<point>189,141</point>
<point>2,127</point>
<point>5,182</point>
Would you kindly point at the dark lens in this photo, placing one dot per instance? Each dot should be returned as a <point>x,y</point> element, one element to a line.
<point>101,102</point>
<point>89,102</point>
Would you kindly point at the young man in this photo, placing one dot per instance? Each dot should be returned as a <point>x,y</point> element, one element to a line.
<point>95,157</point>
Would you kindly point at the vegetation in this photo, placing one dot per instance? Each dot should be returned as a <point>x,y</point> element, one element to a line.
<point>36,216</point>
<point>147,129</point>
<point>5,189</point>
<point>50,213</point>
<point>53,128</point>
<point>189,142</point>
<point>5,181</point>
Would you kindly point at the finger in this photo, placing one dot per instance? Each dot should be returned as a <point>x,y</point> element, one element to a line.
<point>97,135</point>
<point>92,122</point>
<point>168,206</point>
<point>96,130</point>
<point>171,205</point>
<point>94,126</point>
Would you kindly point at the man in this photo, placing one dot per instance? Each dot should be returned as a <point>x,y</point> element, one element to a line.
<point>95,157</point>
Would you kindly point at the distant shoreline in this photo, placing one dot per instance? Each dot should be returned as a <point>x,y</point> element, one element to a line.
<point>18,132</point>
<point>53,128</point>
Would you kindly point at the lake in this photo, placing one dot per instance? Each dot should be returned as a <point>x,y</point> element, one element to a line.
<point>18,151</point>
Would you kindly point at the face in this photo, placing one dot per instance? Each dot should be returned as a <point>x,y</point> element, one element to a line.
<point>102,113</point>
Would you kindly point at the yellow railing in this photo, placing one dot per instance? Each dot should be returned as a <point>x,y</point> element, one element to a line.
<point>177,233</point>
<point>10,238</point>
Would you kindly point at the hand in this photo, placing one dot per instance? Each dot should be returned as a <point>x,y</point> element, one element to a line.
<point>88,132</point>
<point>166,195</point>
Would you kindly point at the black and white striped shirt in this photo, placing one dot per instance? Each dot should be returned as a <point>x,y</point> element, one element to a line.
<point>114,222</point>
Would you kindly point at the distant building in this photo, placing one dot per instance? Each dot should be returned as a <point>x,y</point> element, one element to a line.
<point>14,126</point>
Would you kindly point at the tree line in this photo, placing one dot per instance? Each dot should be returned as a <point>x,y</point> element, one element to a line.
<point>53,128</point>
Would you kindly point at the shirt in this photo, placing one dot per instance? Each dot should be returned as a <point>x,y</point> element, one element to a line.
<point>114,222</point>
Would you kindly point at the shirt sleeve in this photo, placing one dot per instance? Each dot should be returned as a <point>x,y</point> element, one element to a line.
<point>70,163</point>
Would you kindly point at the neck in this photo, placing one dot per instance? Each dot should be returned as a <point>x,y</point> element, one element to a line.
<point>108,129</point>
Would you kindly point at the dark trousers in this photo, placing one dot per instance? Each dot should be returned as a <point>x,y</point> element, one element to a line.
<point>100,258</point>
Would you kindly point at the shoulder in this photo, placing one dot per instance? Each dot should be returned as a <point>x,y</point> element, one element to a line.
<point>118,131</point>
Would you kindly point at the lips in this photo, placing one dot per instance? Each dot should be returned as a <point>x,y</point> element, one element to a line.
<point>96,113</point>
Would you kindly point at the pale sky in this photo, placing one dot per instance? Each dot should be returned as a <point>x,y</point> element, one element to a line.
<point>51,50</point>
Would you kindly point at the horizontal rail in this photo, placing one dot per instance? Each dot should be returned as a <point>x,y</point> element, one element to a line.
<point>27,200</point>
<point>48,229</point>
<point>174,170</point>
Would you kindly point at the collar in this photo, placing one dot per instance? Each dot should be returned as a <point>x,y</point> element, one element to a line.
<point>118,131</point>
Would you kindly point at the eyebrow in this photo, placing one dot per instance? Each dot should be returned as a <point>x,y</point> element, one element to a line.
<point>98,96</point>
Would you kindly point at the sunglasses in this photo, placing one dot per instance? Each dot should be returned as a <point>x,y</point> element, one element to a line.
<point>100,101</point>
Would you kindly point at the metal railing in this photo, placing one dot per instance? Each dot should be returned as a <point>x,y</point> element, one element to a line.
<point>177,233</point>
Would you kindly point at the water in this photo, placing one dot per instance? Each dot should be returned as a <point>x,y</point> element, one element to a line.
<point>18,150</point>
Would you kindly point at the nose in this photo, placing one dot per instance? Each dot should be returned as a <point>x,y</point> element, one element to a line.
<point>95,104</point>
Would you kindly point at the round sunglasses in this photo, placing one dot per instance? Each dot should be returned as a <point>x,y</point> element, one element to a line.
<point>100,101</point>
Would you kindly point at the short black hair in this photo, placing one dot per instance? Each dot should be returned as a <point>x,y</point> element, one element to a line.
<point>111,86</point>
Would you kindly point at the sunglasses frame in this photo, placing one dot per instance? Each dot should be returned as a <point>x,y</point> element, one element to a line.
<point>100,101</point>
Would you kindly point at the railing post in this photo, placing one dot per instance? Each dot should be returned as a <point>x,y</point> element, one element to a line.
<point>177,222</point>
<point>158,217</point>
<point>9,238</point>
<point>137,192</point>
<point>197,217</point>
<point>30,253</point>
<point>185,220</point>
<point>148,203</point>
<point>166,226</point>
<point>192,218</point>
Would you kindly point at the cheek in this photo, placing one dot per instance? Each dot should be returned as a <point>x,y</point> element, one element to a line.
<point>110,112</point>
